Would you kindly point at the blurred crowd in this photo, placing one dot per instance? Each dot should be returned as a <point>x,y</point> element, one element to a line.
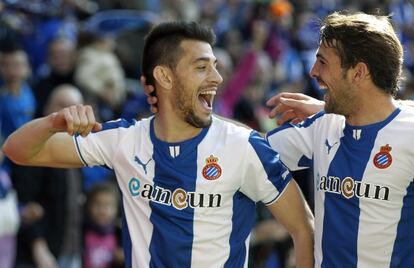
<point>56,53</point>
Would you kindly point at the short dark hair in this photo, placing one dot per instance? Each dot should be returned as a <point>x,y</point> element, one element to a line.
<point>102,187</point>
<point>8,48</point>
<point>162,44</point>
<point>371,39</point>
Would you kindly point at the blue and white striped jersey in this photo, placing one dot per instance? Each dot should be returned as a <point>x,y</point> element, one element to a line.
<point>364,190</point>
<point>192,203</point>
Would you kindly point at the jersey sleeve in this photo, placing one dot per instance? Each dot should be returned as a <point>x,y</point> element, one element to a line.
<point>295,142</point>
<point>266,176</point>
<point>99,148</point>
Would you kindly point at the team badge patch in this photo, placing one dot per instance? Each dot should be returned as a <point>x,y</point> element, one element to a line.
<point>383,159</point>
<point>212,170</point>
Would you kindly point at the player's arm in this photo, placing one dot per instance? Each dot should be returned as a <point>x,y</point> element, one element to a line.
<point>45,141</point>
<point>293,107</point>
<point>293,213</point>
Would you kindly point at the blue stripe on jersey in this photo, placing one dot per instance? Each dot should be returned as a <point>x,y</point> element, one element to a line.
<point>172,237</point>
<point>118,123</point>
<point>242,224</point>
<point>126,238</point>
<point>403,251</point>
<point>305,162</point>
<point>308,121</point>
<point>269,158</point>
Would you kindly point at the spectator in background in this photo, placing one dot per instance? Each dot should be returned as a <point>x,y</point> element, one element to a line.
<point>9,220</point>
<point>225,68</point>
<point>60,67</point>
<point>101,246</point>
<point>17,104</point>
<point>243,95</point>
<point>100,75</point>
<point>53,240</point>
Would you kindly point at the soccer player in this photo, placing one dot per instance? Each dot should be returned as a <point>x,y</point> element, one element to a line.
<point>359,147</point>
<point>189,180</point>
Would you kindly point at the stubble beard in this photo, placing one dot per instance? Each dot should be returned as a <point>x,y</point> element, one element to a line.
<point>185,107</point>
<point>340,104</point>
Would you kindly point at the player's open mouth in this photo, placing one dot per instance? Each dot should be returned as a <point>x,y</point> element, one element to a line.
<point>321,84</point>
<point>206,99</point>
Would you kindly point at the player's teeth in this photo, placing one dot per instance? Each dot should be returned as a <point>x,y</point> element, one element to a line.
<point>210,92</point>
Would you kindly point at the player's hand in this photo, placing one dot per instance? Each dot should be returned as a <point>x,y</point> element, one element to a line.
<point>151,99</point>
<point>294,107</point>
<point>75,119</point>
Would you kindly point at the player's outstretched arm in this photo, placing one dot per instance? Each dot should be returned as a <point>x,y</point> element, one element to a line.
<point>45,141</point>
<point>292,212</point>
<point>293,107</point>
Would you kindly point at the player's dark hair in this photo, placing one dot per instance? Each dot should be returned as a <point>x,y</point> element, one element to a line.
<point>162,44</point>
<point>366,38</point>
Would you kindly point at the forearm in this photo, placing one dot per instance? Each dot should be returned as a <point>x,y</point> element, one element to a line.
<point>293,213</point>
<point>303,242</point>
<point>26,142</point>
<point>38,142</point>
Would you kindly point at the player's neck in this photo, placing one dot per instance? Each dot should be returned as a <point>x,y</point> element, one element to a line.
<point>170,128</point>
<point>372,109</point>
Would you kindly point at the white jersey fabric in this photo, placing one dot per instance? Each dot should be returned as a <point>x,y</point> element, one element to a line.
<point>363,181</point>
<point>187,204</point>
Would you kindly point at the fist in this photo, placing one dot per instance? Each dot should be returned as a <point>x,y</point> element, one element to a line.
<point>75,119</point>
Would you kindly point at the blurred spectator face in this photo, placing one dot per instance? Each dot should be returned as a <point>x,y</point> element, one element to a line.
<point>224,65</point>
<point>14,67</point>
<point>61,56</point>
<point>103,209</point>
<point>63,96</point>
<point>234,44</point>
<point>261,80</point>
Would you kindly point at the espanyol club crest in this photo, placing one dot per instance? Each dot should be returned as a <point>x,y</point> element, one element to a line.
<point>383,159</point>
<point>212,170</point>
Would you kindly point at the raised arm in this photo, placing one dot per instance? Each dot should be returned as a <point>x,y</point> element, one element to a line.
<point>47,141</point>
<point>293,107</point>
<point>292,212</point>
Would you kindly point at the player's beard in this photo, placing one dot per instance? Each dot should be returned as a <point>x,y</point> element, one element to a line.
<point>184,104</point>
<point>341,100</point>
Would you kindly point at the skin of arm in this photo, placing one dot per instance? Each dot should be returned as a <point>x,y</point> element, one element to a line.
<point>291,211</point>
<point>47,141</point>
<point>294,107</point>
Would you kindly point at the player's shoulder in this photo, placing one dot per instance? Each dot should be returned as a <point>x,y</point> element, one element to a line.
<point>405,117</point>
<point>323,117</point>
<point>231,128</point>
<point>123,123</point>
<point>121,127</point>
<point>406,110</point>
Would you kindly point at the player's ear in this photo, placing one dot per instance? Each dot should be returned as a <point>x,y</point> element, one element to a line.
<point>361,72</point>
<point>162,76</point>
